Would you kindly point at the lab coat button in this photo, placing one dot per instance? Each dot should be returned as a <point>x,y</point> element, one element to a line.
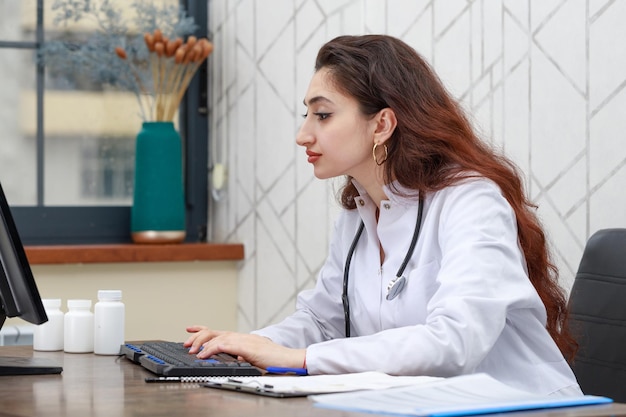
<point>387,206</point>
<point>361,202</point>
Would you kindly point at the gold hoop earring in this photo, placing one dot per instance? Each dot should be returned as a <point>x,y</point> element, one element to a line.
<point>374,154</point>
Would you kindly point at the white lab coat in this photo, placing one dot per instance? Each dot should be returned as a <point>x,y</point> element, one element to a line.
<point>468,305</point>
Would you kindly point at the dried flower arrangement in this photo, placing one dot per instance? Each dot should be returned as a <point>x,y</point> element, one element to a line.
<point>154,61</point>
<point>173,65</point>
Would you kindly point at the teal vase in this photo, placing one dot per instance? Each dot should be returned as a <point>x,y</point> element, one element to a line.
<point>158,210</point>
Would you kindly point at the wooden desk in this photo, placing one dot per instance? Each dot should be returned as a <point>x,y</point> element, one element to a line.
<point>107,386</point>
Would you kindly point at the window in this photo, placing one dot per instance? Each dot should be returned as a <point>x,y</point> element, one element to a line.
<point>67,155</point>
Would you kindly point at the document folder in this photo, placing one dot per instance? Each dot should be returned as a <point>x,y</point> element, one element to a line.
<point>457,396</point>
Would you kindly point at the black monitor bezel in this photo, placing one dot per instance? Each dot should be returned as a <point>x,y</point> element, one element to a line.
<point>19,295</point>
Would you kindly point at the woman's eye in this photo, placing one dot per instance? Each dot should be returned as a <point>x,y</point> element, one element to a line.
<point>320,116</point>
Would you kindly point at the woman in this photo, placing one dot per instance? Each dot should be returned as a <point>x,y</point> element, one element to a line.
<point>450,273</point>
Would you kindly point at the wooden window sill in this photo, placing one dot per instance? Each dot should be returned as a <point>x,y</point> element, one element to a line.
<point>78,254</point>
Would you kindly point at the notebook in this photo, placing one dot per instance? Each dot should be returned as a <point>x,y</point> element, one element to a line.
<point>302,386</point>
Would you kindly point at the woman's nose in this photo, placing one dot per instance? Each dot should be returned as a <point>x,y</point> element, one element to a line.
<point>304,136</point>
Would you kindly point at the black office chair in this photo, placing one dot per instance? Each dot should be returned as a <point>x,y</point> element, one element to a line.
<point>597,308</point>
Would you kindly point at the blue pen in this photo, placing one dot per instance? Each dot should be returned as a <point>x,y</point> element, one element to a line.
<point>286,371</point>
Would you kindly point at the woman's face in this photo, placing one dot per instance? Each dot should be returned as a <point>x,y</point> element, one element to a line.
<point>337,136</point>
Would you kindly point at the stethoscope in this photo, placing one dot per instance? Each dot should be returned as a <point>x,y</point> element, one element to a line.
<point>397,284</point>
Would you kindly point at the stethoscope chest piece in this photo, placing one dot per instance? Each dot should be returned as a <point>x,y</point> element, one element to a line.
<point>395,287</point>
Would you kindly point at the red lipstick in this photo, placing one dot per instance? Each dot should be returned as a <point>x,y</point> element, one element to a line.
<point>313,156</point>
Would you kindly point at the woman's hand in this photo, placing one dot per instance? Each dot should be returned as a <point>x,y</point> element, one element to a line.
<point>257,350</point>
<point>199,336</point>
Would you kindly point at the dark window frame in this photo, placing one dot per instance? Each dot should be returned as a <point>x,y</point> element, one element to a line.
<point>45,225</point>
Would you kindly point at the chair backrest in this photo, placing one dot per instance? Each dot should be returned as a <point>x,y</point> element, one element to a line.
<point>597,309</point>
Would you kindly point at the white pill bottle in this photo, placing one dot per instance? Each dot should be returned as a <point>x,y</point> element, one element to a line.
<point>78,327</point>
<point>109,319</point>
<point>49,335</point>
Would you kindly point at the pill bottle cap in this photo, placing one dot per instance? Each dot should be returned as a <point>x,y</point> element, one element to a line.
<point>79,304</point>
<point>109,295</point>
<point>51,302</point>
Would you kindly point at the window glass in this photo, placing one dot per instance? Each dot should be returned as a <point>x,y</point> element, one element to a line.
<point>89,147</point>
<point>18,123</point>
<point>18,20</point>
<point>90,119</point>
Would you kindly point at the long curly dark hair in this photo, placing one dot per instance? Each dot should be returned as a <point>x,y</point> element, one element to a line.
<point>435,146</point>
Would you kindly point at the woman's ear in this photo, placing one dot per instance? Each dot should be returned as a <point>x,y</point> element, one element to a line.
<point>385,125</point>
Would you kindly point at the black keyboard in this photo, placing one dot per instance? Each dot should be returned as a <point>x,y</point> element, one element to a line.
<point>172,359</point>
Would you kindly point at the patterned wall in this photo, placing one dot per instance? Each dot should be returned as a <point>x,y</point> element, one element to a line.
<point>543,79</point>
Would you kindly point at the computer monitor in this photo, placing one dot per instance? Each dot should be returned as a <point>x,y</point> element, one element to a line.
<point>19,296</point>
